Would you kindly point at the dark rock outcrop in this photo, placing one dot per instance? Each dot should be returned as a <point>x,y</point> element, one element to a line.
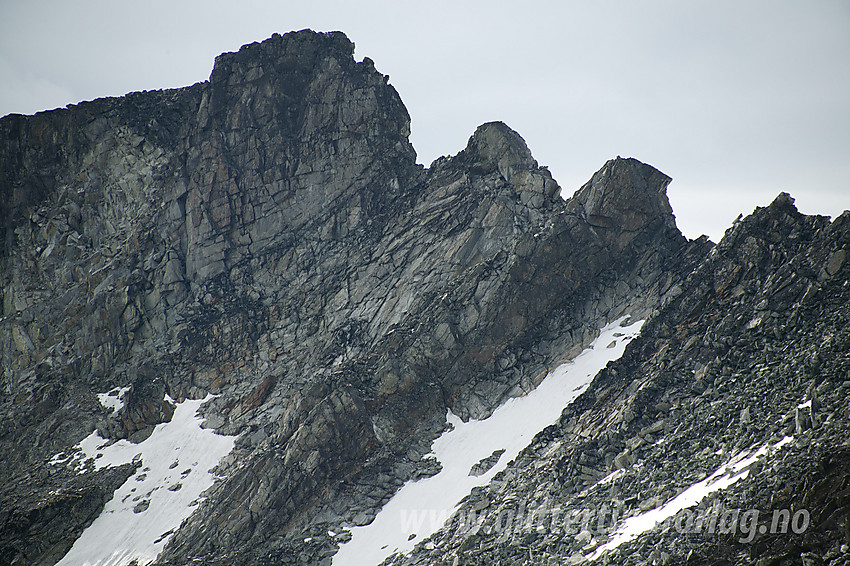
<point>42,517</point>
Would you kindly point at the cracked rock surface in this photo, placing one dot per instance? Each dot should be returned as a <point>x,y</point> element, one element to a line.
<point>267,237</point>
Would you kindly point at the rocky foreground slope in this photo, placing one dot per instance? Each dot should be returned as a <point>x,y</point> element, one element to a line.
<point>268,238</point>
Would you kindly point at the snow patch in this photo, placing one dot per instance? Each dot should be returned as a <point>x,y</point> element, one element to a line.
<point>114,399</point>
<point>610,477</point>
<point>421,507</point>
<point>736,468</point>
<point>175,462</point>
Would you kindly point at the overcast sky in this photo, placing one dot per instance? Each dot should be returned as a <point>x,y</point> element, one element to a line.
<point>736,100</point>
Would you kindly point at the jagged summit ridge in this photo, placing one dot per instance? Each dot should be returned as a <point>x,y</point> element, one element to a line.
<point>267,237</point>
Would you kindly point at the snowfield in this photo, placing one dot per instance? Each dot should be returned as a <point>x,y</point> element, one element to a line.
<point>143,513</point>
<point>421,507</point>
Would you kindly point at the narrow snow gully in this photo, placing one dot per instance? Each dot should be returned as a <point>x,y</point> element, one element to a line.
<point>421,507</point>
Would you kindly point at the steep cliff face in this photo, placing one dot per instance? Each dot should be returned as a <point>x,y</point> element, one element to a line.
<point>267,238</point>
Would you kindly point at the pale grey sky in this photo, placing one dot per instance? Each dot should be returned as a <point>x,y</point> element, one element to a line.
<point>736,100</point>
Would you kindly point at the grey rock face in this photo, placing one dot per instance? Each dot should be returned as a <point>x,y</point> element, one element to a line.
<point>621,198</point>
<point>752,350</point>
<point>267,236</point>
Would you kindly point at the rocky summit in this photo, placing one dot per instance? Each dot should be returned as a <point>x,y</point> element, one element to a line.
<point>238,318</point>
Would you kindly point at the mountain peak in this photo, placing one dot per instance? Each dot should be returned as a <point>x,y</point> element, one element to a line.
<point>265,246</point>
<point>622,198</point>
<point>494,146</point>
<point>298,50</point>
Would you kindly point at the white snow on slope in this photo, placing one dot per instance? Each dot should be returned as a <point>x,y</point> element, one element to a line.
<point>144,512</point>
<point>420,508</point>
<point>736,468</point>
<point>114,399</point>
